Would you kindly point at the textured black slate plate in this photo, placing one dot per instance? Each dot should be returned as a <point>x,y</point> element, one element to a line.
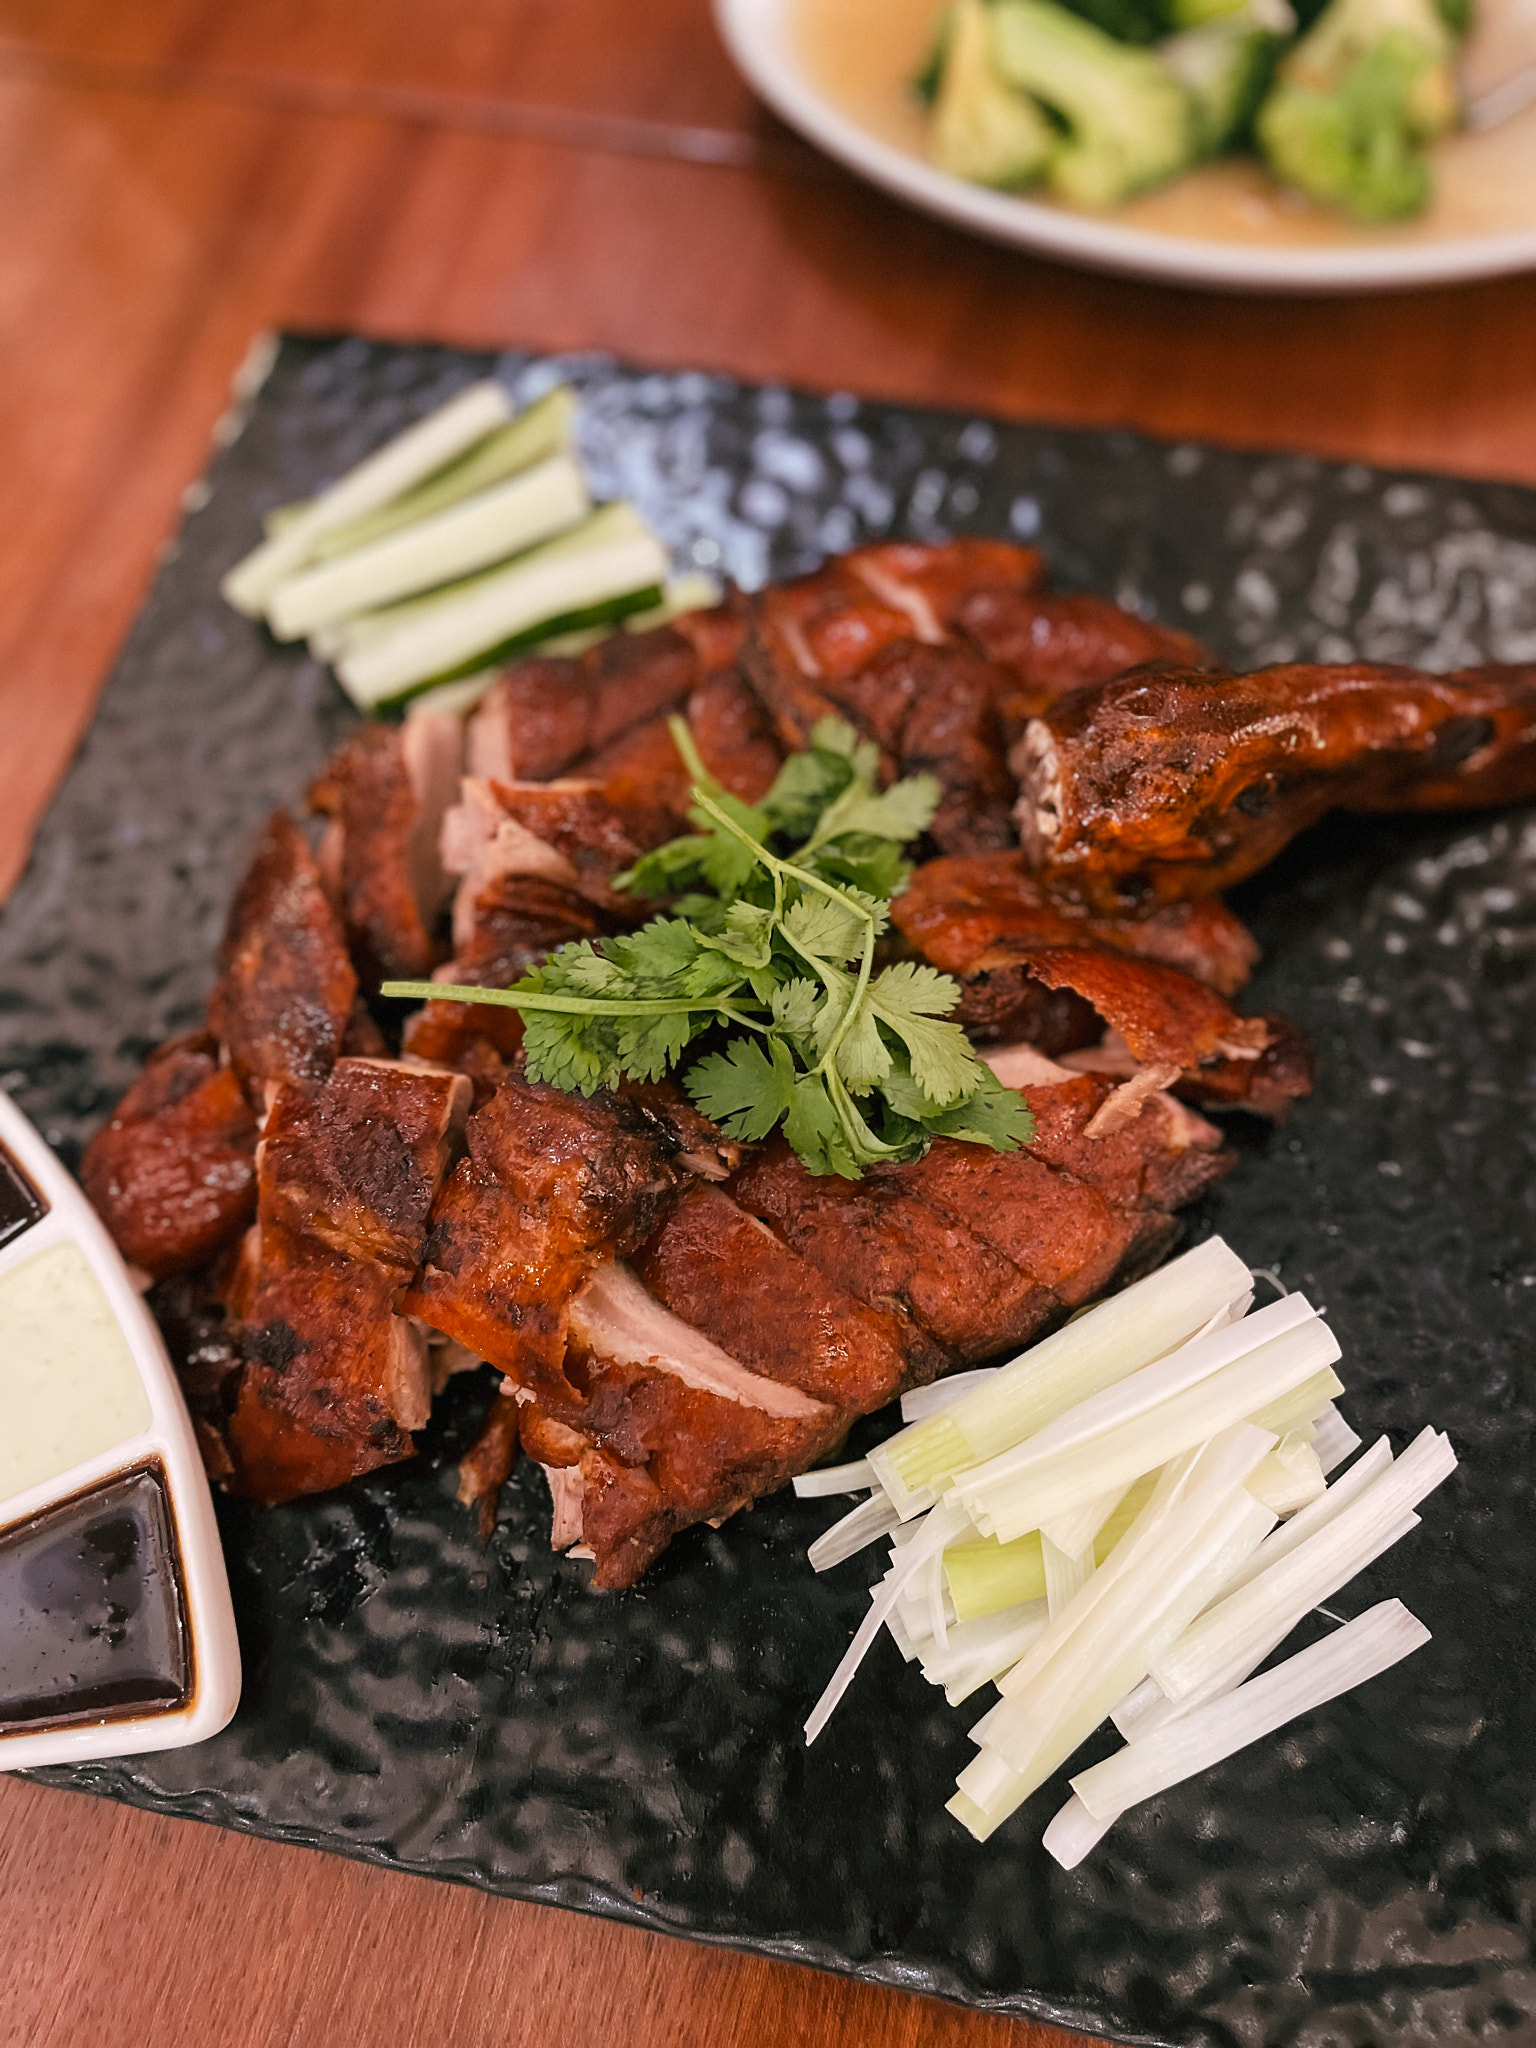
<point>479,1715</point>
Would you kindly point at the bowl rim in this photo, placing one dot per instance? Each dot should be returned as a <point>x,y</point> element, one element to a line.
<point>756,34</point>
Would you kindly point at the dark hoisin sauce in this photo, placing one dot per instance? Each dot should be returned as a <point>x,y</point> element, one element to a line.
<point>92,1614</point>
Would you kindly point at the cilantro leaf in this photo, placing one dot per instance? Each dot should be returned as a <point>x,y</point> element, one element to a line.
<point>908,998</point>
<point>994,1116</point>
<point>898,814</point>
<point>747,1088</point>
<point>826,928</point>
<point>794,1008</point>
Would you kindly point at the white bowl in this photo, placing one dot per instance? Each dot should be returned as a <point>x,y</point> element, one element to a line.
<point>1224,226</point>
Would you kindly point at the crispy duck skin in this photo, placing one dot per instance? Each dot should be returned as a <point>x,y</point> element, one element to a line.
<point>286,992</point>
<point>1165,1159</point>
<point>385,791</point>
<point>552,1185</point>
<point>734,736</point>
<point>543,715</point>
<point>936,585</point>
<point>357,1162</point>
<point>1182,1032</point>
<point>333,1379</point>
<point>324,1355</point>
<point>827,646</point>
<point>965,913</point>
<point>1174,782</point>
<point>725,1272</point>
<point>1052,1226</point>
<point>173,1173</point>
<point>1047,643</point>
<point>955,1297</point>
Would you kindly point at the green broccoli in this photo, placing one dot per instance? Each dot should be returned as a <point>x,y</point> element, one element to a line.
<point>982,128</point>
<point>1355,101</point>
<point>1125,122</point>
<point>1225,60</point>
<point>925,83</point>
<point>1128,21</point>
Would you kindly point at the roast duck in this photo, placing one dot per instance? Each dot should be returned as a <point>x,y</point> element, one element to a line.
<point>337,1216</point>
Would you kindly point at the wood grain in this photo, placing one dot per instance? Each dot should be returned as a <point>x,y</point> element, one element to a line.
<point>177,174</point>
<point>123,1929</point>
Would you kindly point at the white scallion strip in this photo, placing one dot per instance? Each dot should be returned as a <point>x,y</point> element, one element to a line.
<point>855,1477</point>
<point>863,1525</point>
<point>1175,1575</point>
<point>1074,1531</point>
<point>501,522</point>
<point>1030,1734</point>
<point>1114,1339</point>
<point>391,470</point>
<point>1140,1392</point>
<point>1290,1477</point>
<point>1301,1405</point>
<point>1221,1467</point>
<point>922,1402</point>
<point>1065,1575</point>
<point>988,1576</point>
<point>1335,1440</point>
<point>1073,1832</point>
<point>980,1650</point>
<point>1315,1569</point>
<point>1372,1643</point>
<point>1290,1534</point>
<point>1140,1712</point>
<point>1013,1494</point>
<point>1149,1706</point>
<point>944,1526</point>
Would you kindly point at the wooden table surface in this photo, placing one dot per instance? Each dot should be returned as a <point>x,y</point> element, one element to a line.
<point>174,176</point>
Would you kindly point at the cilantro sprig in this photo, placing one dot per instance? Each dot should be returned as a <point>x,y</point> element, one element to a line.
<point>760,987</point>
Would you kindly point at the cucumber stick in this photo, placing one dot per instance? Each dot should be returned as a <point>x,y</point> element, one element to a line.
<point>547,428</point>
<point>497,523</point>
<point>420,452</point>
<point>609,557</point>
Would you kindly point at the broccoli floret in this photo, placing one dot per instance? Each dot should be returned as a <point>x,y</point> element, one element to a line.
<point>1225,65</point>
<point>1355,101</point>
<point>1128,21</point>
<point>982,128</point>
<point>1125,121</point>
<point>925,84</point>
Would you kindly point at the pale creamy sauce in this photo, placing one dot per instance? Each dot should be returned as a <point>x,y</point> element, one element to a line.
<point>863,53</point>
<point>69,1387</point>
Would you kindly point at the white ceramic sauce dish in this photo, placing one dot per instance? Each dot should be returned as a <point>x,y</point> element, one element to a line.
<point>116,1630</point>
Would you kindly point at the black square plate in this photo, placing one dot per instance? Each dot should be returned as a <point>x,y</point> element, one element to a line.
<point>479,1714</point>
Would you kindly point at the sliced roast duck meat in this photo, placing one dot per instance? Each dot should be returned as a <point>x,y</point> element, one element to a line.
<point>979,917</point>
<point>385,792</point>
<point>544,716</point>
<point>334,1379</point>
<point>701,1366</point>
<point>535,864</point>
<point>287,991</point>
<point>173,1172</point>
